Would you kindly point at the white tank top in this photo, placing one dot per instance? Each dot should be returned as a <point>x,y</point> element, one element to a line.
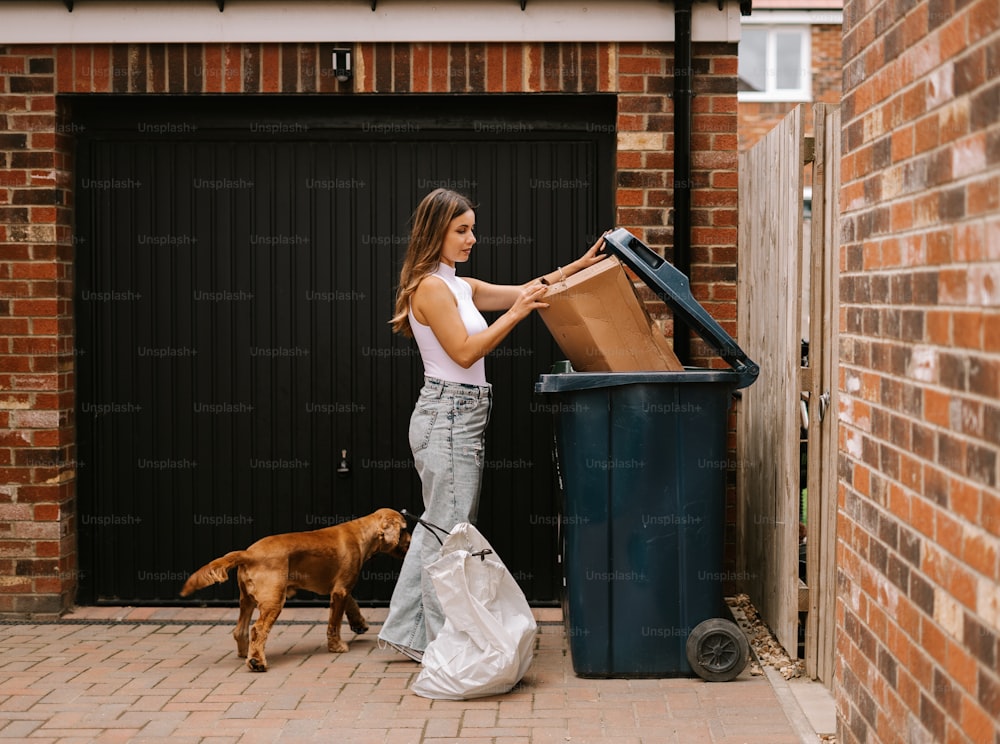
<point>437,363</point>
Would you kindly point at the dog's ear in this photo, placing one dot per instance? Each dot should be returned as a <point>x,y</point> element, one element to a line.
<point>391,526</point>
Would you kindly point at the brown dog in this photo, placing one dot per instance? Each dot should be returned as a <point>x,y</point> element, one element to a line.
<point>326,561</point>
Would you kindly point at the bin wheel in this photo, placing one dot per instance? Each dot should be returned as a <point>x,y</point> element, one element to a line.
<point>717,650</point>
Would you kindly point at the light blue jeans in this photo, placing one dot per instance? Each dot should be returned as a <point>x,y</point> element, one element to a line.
<point>447,437</point>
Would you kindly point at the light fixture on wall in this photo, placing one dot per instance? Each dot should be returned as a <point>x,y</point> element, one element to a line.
<point>342,64</point>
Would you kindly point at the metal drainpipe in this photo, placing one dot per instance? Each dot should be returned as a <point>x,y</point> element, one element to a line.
<point>683,93</point>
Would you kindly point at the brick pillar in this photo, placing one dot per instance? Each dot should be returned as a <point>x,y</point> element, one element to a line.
<point>37,441</point>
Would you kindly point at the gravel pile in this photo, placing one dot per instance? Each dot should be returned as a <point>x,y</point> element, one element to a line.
<point>764,645</point>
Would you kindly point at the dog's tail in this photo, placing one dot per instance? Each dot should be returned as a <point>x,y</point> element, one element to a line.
<point>215,572</point>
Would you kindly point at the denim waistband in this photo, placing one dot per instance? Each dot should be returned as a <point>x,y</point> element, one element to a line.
<point>443,386</point>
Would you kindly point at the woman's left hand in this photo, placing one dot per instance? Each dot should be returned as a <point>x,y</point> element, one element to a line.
<point>593,255</point>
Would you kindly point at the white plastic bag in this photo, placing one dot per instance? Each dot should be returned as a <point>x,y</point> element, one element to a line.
<point>487,641</point>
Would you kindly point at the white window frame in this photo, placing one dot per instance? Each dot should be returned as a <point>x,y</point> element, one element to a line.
<point>773,22</point>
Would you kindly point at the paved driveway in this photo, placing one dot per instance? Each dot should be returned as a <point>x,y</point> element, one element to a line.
<point>158,674</point>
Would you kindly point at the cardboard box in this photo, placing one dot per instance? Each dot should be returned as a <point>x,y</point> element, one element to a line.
<point>601,325</point>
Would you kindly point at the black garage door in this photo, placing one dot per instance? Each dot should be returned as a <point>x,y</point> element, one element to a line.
<point>236,263</point>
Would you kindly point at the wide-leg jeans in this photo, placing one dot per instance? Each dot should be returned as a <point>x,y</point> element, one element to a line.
<point>447,437</point>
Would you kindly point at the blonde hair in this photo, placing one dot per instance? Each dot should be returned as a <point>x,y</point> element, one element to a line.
<point>429,225</point>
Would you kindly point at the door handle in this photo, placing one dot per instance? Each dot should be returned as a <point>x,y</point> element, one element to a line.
<point>344,468</point>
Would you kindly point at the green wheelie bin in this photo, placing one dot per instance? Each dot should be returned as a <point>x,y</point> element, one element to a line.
<point>642,460</point>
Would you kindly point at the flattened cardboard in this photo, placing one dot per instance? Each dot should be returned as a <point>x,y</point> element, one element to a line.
<point>601,325</point>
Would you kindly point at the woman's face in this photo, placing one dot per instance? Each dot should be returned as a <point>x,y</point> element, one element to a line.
<point>459,239</point>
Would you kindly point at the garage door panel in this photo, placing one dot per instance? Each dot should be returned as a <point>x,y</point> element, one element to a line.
<point>234,291</point>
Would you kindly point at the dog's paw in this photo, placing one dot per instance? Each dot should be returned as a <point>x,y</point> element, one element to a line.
<point>256,665</point>
<point>360,628</point>
<point>336,647</point>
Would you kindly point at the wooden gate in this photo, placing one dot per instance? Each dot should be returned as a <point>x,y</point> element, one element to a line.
<point>781,285</point>
<point>820,382</point>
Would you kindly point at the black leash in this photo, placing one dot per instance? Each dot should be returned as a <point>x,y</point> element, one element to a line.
<point>434,529</point>
<point>429,525</point>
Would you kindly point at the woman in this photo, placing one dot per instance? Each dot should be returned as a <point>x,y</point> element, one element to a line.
<point>442,312</point>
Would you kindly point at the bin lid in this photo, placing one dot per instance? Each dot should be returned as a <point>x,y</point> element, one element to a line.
<point>671,286</point>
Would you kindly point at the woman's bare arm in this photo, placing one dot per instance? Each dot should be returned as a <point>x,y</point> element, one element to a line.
<point>489,297</point>
<point>434,305</point>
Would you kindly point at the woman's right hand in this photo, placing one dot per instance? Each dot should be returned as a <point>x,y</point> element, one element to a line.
<point>528,300</point>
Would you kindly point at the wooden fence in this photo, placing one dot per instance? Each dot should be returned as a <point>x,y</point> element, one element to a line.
<point>779,285</point>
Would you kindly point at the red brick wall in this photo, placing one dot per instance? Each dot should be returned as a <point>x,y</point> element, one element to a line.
<point>486,68</point>
<point>37,440</point>
<point>37,545</point>
<point>758,118</point>
<point>918,551</point>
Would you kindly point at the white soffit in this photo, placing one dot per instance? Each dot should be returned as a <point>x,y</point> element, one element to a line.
<point>162,21</point>
<point>794,17</point>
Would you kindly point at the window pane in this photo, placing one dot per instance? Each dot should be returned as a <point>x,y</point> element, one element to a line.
<point>788,59</point>
<point>753,59</point>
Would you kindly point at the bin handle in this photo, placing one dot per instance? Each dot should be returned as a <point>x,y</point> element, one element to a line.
<point>650,257</point>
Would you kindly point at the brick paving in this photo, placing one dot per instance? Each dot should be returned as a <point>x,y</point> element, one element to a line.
<point>172,674</point>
